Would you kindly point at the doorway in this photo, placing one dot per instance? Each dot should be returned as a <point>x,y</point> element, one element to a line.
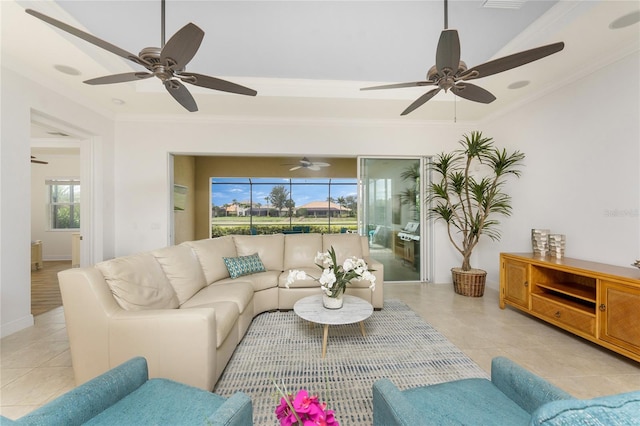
<point>390,215</point>
<point>56,216</point>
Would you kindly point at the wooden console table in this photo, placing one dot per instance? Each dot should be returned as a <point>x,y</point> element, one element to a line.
<point>598,302</point>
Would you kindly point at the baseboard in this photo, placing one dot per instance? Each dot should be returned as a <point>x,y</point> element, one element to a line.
<point>16,325</point>
<point>53,258</point>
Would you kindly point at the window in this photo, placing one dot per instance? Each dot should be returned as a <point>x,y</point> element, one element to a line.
<point>268,205</point>
<point>64,203</point>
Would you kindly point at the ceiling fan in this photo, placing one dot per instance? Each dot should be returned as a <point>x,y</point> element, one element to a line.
<point>305,163</point>
<point>33,160</point>
<point>167,62</point>
<point>450,72</point>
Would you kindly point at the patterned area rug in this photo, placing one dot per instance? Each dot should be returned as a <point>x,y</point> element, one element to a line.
<point>398,345</point>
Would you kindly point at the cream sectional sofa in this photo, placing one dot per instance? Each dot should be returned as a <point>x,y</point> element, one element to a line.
<point>179,307</point>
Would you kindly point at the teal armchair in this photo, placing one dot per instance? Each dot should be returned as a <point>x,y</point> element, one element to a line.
<point>514,396</point>
<point>126,396</point>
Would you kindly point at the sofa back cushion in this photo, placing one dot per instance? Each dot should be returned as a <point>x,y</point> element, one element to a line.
<point>300,250</point>
<point>270,249</point>
<point>621,409</point>
<point>138,282</point>
<point>210,253</point>
<point>345,245</point>
<point>181,267</point>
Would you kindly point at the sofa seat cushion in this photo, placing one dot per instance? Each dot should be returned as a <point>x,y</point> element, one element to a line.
<point>240,293</point>
<point>270,248</point>
<point>260,281</point>
<point>161,402</point>
<point>300,250</point>
<point>210,253</point>
<point>182,268</point>
<point>484,404</point>
<point>138,282</point>
<point>227,315</point>
<point>311,271</point>
<point>310,282</point>
<point>620,410</point>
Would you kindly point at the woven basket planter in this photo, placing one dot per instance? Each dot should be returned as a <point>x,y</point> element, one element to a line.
<point>469,283</point>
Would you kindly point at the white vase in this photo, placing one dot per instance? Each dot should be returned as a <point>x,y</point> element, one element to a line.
<point>332,302</point>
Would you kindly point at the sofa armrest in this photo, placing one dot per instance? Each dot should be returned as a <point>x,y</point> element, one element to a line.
<point>93,397</point>
<point>391,408</point>
<point>523,387</point>
<point>179,344</point>
<point>377,297</point>
<point>236,411</point>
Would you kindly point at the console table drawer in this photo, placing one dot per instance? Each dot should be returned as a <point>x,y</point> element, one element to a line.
<point>557,312</point>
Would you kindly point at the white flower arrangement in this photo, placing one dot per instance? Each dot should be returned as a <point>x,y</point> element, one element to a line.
<point>334,278</point>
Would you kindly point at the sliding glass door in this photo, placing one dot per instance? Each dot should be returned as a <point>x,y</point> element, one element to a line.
<point>391,215</point>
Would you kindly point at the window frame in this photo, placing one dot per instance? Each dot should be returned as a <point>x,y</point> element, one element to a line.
<point>72,204</point>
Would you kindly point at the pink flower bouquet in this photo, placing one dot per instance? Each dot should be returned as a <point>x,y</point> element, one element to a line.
<point>304,410</point>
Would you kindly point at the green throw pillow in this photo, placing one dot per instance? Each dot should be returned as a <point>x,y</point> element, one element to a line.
<point>243,265</point>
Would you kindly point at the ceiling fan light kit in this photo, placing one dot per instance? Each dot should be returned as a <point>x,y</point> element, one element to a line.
<point>450,73</point>
<point>166,63</point>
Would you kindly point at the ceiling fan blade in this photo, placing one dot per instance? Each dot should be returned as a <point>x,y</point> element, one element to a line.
<point>215,83</point>
<point>448,52</point>
<point>120,78</point>
<point>181,94</point>
<point>421,100</point>
<point>321,164</point>
<point>314,167</point>
<point>400,85</point>
<point>90,38</point>
<point>295,168</point>
<point>512,61</point>
<point>33,160</point>
<point>473,93</point>
<point>182,47</point>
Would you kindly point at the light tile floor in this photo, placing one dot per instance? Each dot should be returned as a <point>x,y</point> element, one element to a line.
<point>36,365</point>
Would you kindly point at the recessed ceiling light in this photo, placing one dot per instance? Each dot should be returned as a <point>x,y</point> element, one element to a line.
<point>519,84</point>
<point>117,101</point>
<point>65,69</point>
<point>625,20</point>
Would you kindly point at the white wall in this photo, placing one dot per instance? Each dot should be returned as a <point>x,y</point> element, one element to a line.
<point>56,245</point>
<point>19,97</point>
<point>582,174</point>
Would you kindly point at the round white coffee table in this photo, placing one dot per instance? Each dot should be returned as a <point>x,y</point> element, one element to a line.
<point>354,309</point>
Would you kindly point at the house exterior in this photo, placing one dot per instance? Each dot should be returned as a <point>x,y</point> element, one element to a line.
<point>323,209</point>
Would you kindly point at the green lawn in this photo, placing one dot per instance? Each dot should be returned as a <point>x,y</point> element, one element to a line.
<point>270,225</point>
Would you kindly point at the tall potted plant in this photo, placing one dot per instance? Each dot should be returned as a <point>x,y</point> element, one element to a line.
<point>467,192</point>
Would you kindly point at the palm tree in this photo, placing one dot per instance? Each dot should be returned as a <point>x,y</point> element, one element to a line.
<point>341,202</point>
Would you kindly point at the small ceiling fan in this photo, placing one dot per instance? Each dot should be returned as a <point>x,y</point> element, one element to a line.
<point>167,62</point>
<point>33,160</point>
<point>450,72</point>
<point>305,163</point>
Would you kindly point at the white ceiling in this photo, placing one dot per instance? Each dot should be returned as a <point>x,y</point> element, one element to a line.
<point>309,58</point>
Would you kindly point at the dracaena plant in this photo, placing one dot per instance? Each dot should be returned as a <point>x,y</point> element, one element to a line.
<point>468,191</point>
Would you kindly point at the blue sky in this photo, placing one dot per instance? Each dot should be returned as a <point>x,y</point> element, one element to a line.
<point>225,190</point>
